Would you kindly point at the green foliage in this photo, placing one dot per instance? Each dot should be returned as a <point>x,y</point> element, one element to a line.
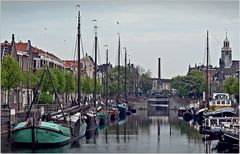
<point>190,85</point>
<point>167,93</point>
<point>144,79</point>
<point>70,85</point>
<point>145,82</point>
<point>60,80</point>
<point>11,75</point>
<point>113,78</point>
<point>87,85</point>
<point>112,88</point>
<point>99,87</point>
<point>29,79</point>
<point>231,86</point>
<point>46,83</point>
<point>45,98</point>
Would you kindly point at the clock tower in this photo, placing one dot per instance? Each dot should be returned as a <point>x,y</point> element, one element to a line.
<point>226,54</point>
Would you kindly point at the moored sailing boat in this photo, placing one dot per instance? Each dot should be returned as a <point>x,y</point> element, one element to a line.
<point>36,132</point>
<point>51,131</point>
<point>122,107</point>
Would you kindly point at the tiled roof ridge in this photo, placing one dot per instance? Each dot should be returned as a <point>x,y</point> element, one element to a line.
<point>22,46</point>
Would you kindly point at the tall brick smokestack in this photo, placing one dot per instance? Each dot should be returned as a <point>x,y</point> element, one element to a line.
<point>159,68</point>
<point>13,38</point>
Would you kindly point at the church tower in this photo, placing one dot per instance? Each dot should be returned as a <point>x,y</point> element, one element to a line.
<point>226,54</point>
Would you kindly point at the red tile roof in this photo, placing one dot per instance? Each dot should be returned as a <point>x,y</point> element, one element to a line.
<point>7,44</point>
<point>70,63</point>
<point>20,46</point>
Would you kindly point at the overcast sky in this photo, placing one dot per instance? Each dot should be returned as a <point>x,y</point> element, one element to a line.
<point>172,30</point>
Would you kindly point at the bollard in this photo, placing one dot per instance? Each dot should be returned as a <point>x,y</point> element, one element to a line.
<point>42,110</point>
<point>11,122</point>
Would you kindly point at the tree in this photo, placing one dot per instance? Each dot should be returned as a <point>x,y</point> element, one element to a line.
<point>46,83</point>
<point>145,82</point>
<point>198,82</point>
<point>231,86</point>
<point>10,74</point>
<point>191,85</point>
<point>30,81</point>
<point>60,79</point>
<point>70,85</point>
<point>45,98</point>
<point>98,87</point>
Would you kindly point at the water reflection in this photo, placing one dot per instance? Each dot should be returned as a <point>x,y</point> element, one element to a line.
<point>154,130</point>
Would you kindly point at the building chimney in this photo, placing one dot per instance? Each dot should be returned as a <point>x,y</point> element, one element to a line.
<point>13,38</point>
<point>159,68</point>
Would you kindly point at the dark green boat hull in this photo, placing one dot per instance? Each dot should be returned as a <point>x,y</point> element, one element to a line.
<point>46,133</point>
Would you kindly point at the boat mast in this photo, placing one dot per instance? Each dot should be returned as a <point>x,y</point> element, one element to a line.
<point>118,78</point>
<point>95,68</point>
<point>106,89</point>
<point>78,51</point>
<point>206,95</point>
<point>125,76</point>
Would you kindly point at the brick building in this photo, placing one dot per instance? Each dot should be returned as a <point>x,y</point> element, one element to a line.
<point>227,68</point>
<point>29,58</point>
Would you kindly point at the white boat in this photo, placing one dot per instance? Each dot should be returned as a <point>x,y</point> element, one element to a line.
<point>218,101</point>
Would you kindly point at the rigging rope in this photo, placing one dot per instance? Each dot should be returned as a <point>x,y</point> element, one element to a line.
<point>216,40</point>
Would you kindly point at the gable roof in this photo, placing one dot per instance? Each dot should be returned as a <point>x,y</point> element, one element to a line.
<point>23,47</point>
<point>233,69</point>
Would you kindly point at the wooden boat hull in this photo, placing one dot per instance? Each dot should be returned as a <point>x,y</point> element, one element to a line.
<point>42,137</point>
<point>92,122</point>
<point>122,111</point>
<point>103,117</point>
<point>113,114</point>
<point>231,137</point>
<point>45,134</point>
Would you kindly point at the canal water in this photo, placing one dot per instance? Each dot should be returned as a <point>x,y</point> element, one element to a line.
<point>155,131</point>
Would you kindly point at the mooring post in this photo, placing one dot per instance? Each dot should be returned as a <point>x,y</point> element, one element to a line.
<point>11,122</point>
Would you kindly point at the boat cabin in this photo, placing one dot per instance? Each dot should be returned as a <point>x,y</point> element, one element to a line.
<point>219,100</point>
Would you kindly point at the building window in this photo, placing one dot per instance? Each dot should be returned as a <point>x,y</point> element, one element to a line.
<point>41,63</point>
<point>36,64</point>
<point>223,102</point>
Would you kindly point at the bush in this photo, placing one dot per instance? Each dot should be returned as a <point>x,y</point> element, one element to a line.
<point>45,98</point>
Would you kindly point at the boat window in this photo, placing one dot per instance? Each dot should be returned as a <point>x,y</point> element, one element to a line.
<point>228,102</point>
<point>218,102</point>
<point>223,102</point>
